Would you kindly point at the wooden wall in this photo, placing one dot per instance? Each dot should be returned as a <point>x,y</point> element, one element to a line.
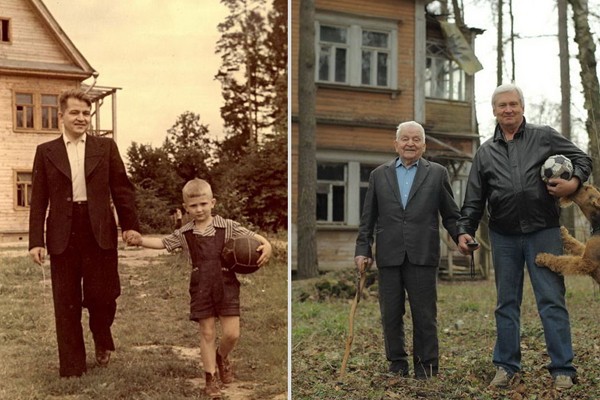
<point>448,116</point>
<point>350,104</point>
<point>31,39</point>
<point>366,120</point>
<point>17,150</point>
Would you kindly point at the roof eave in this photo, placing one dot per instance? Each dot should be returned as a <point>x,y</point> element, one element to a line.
<point>46,73</point>
<point>62,37</point>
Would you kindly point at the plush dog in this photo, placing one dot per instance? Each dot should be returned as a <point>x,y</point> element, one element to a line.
<point>579,258</point>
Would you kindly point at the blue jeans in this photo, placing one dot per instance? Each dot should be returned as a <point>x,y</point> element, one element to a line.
<point>510,253</point>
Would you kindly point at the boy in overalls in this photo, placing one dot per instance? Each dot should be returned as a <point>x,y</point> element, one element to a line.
<point>214,291</point>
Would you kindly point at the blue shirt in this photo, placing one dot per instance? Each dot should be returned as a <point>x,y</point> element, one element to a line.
<point>405,177</point>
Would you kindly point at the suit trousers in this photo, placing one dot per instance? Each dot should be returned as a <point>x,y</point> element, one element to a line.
<point>419,283</point>
<point>84,275</point>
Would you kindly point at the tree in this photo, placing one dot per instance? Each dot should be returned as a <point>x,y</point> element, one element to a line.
<point>254,189</point>
<point>589,78</point>
<point>567,216</point>
<point>499,45</point>
<point>244,72</point>
<point>188,147</point>
<point>276,44</point>
<point>251,174</point>
<point>151,169</point>
<point>307,164</point>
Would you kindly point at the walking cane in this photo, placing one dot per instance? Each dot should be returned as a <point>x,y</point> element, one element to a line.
<point>359,289</point>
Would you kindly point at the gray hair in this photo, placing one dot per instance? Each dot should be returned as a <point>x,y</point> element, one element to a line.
<point>407,124</point>
<point>508,87</point>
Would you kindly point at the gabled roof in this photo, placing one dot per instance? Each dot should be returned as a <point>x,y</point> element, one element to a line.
<point>80,67</point>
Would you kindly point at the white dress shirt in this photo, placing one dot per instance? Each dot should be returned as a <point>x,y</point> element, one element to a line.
<point>76,154</point>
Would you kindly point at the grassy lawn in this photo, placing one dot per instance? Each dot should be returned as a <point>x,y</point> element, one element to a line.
<point>320,309</point>
<point>157,354</point>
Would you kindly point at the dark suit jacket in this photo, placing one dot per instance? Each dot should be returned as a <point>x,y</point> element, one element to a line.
<point>105,178</point>
<point>413,231</point>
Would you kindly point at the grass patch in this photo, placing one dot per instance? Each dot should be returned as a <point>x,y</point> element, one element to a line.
<point>467,335</point>
<point>157,354</point>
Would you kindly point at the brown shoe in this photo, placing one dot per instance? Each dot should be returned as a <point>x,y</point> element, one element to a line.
<point>225,369</point>
<point>102,357</point>
<point>212,388</point>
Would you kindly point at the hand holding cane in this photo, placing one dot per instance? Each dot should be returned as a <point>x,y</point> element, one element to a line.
<point>359,289</point>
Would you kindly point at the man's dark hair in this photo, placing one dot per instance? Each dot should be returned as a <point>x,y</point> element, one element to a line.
<point>73,94</point>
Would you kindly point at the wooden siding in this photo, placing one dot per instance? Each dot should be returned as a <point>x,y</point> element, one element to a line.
<point>31,39</point>
<point>353,137</point>
<point>347,102</point>
<point>335,248</point>
<point>351,118</point>
<point>448,116</point>
<point>17,150</point>
<point>358,107</point>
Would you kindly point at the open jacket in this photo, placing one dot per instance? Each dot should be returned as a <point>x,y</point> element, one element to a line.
<point>52,191</point>
<point>506,175</point>
<point>412,231</point>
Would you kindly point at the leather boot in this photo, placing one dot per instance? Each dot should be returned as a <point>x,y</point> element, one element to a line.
<point>212,388</point>
<point>225,369</point>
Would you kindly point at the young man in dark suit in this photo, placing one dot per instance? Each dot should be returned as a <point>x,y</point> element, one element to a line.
<point>75,177</point>
<point>402,207</point>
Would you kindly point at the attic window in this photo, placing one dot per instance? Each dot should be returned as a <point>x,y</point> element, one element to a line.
<point>4,30</point>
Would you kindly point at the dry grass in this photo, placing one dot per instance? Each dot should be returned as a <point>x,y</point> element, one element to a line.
<point>467,334</point>
<point>157,353</point>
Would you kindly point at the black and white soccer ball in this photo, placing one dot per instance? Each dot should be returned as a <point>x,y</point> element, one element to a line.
<point>557,166</point>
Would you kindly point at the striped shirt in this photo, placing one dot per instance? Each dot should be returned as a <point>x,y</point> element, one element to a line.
<point>176,239</point>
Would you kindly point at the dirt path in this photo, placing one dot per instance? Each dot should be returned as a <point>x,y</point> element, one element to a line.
<point>132,256</point>
<point>238,390</point>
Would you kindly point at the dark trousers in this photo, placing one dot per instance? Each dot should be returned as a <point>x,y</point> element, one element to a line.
<point>84,275</point>
<point>419,283</point>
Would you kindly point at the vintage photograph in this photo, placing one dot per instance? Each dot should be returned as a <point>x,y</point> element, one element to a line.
<point>143,216</point>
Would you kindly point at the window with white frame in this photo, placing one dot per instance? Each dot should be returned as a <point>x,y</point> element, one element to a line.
<point>341,190</point>
<point>365,172</point>
<point>331,192</point>
<point>356,51</point>
<point>444,79</point>
<point>333,54</point>
<point>375,58</point>
<point>22,188</point>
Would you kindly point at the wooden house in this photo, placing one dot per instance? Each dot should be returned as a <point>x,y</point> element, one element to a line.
<point>379,63</point>
<point>37,62</point>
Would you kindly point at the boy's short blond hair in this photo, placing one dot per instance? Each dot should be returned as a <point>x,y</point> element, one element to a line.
<point>196,188</point>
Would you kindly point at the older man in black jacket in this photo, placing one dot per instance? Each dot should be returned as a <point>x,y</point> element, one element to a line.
<point>523,221</point>
<point>402,206</point>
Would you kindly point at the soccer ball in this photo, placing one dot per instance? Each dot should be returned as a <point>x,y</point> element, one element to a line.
<point>557,166</point>
<point>240,256</point>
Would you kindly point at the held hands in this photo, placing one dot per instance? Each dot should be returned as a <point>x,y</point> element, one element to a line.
<point>463,247</point>
<point>132,238</point>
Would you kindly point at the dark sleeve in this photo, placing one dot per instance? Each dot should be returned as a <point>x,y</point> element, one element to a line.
<point>474,202</point>
<point>122,191</point>
<point>448,208</point>
<point>582,163</point>
<point>370,212</point>
<point>39,201</point>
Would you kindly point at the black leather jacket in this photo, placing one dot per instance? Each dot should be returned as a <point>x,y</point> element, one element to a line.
<point>507,176</point>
